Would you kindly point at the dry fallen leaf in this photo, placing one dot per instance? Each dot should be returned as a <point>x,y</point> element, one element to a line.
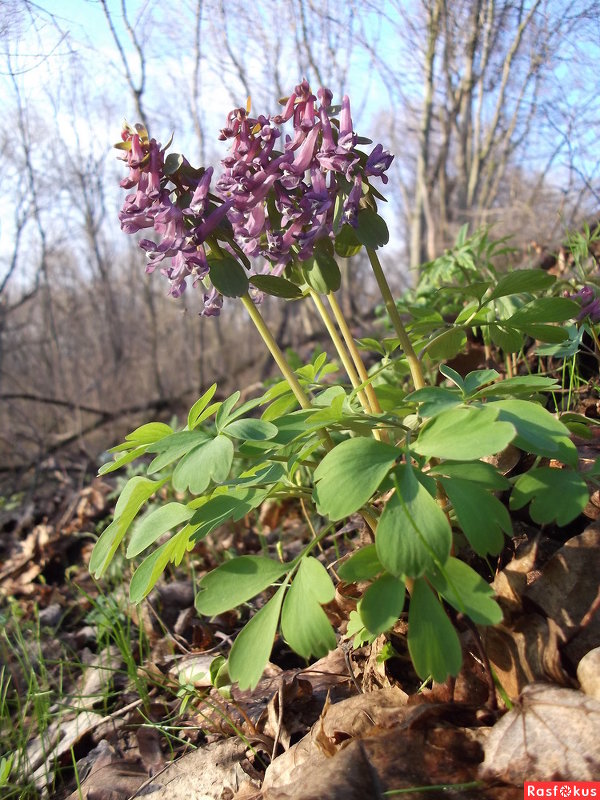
<point>551,734</point>
<point>588,673</point>
<point>567,588</point>
<point>545,624</point>
<point>210,773</point>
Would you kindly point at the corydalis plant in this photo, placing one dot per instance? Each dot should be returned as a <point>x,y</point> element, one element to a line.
<point>409,462</point>
<point>276,205</point>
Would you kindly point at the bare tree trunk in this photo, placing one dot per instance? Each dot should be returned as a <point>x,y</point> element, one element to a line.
<point>421,207</point>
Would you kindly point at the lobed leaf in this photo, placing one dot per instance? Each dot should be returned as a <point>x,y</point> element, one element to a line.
<point>475,472</point>
<point>136,492</point>
<point>554,494</point>
<point>361,566</point>
<point>433,643</point>
<point>253,645</point>
<point>304,624</point>
<point>466,591</point>
<point>149,433</point>
<point>251,429</point>
<point>482,517</point>
<point>465,433</point>
<point>413,533</point>
<point>152,567</point>
<point>434,399</point>
<point>382,604</point>
<point>359,466</point>
<point>153,525</point>
<point>519,281</point>
<point>538,431</point>
<point>126,458</point>
<point>235,582</point>
<point>196,410</point>
<point>208,462</point>
<point>174,447</point>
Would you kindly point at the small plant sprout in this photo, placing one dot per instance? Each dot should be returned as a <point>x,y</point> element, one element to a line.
<point>414,457</point>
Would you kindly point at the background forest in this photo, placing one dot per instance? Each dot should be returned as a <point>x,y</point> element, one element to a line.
<point>491,110</point>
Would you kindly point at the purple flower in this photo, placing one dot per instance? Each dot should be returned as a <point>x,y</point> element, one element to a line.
<point>379,162</point>
<point>590,304</point>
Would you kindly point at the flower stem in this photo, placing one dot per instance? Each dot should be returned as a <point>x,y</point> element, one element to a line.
<point>280,360</point>
<point>341,350</point>
<point>353,350</point>
<point>413,362</point>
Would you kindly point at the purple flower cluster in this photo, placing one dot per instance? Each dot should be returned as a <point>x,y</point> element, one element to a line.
<point>279,202</point>
<point>590,304</point>
<point>284,201</point>
<point>182,232</point>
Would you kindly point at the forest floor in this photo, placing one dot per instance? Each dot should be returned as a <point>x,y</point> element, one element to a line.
<point>103,700</point>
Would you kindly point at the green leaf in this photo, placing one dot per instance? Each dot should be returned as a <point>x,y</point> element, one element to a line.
<point>346,243</point>
<point>453,375</point>
<point>546,333</point>
<point>554,494</point>
<point>135,493</point>
<point>538,431</point>
<point>304,624</point>
<point>569,347</point>
<point>475,380</point>
<point>544,310</point>
<point>276,286</point>
<point>322,273</point>
<point>372,230</point>
<point>199,406</point>
<point>172,163</point>
<point>256,430</point>
<point>225,410</point>
<point>209,461</point>
<point>433,400</point>
<point>447,344</point>
<point>467,592</point>
<point>228,276</point>
<point>525,280</point>
<point>127,458</point>
<point>520,384</point>
<point>174,447</point>
<point>433,643</point>
<point>150,570</point>
<point>507,339</point>
<point>382,604</point>
<point>413,532</point>
<point>482,517</point>
<point>280,406</point>
<point>477,472</point>
<point>253,645</point>
<point>361,566</point>
<point>349,474</point>
<point>153,525</point>
<point>221,508</point>
<point>235,582</point>
<point>464,433</point>
<point>152,432</point>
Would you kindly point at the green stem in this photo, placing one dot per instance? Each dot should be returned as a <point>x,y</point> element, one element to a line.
<point>280,360</point>
<point>354,352</point>
<point>413,362</point>
<point>341,350</point>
